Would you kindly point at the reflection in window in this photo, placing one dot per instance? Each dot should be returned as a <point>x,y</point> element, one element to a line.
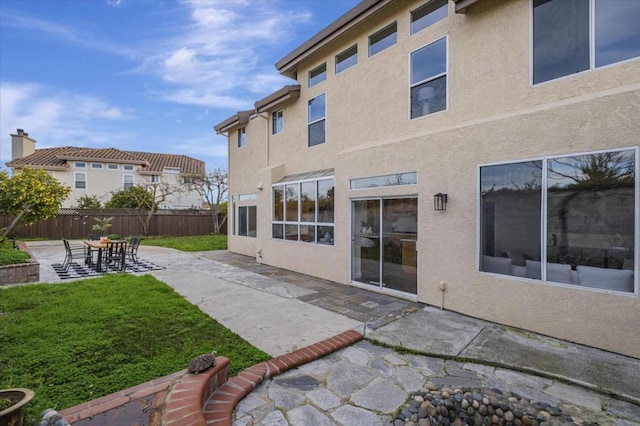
<point>429,79</point>
<point>590,220</point>
<point>318,75</point>
<point>315,201</point>
<point>561,35</point>
<point>386,180</point>
<point>247,221</point>
<point>277,121</point>
<point>383,39</point>
<point>428,14</point>
<point>316,120</point>
<point>347,59</point>
<point>242,137</point>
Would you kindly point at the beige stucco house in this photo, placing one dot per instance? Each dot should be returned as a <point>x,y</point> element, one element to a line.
<point>104,171</point>
<point>479,155</point>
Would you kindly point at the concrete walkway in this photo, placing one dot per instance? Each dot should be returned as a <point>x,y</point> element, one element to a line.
<point>280,311</point>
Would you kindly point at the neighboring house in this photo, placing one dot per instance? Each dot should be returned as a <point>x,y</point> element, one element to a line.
<point>104,171</point>
<point>480,155</point>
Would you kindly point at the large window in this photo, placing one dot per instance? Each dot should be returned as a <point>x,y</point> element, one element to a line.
<point>303,211</point>
<point>428,14</point>
<point>429,79</point>
<point>318,74</point>
<point>383,39</point>
<point>317,120</point>
<point>347,59</point>
<point>277,122</point>
<point>570,36</point>
<point>568,220</point>
<point>80,180</point>
<point>127,181</point>
<point>247,221</point>
<point>242,137</point>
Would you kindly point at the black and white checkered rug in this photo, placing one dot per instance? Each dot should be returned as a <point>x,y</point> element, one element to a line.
<point>77,270</point>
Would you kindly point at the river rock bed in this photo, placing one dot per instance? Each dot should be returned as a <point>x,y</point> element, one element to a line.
<point>445,406</point>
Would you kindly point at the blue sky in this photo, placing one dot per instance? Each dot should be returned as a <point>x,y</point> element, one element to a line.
<point>144,75</point>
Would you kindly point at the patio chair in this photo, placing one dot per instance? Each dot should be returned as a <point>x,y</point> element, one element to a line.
<point>114,254</point>
<point>75,252</point>
<point>132,250</point>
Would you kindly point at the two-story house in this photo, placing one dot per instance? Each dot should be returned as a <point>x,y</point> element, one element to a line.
<point>479,155</point>
<point>104,171</point>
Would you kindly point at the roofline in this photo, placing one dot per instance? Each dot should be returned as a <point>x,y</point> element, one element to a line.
<point>278,97</point>
<point>287,66</point>
<point>76,157</point>
<point>237,119</point>
<point>12,165</point>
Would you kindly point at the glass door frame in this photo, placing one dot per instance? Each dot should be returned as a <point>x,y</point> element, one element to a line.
<point>352,235</point>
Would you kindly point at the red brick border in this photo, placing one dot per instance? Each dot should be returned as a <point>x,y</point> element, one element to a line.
<point>219,408</point>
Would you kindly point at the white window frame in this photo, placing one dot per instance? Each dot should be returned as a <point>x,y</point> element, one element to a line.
<point>319,73</point>
<point>592,48</point>
<point>113,167</point>
<point>345,51</point>
<point>96,166</point>
<point>80,165</point>
<point>127,167</point>
<point>543,216</point>
<point>277,117</point>
<point>247,207</point>
<point>171,170</point>
<point>299,222</point>
<point>124,181</point>
<point>76,180</point>
<point>242,137</point>
<point>446,73</point>
<point>155,178</point>
<point>369,45</point>
<point>324,118</point>
<point>428,5</point>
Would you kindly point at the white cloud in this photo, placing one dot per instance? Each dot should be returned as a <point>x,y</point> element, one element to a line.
<point>115,3</point>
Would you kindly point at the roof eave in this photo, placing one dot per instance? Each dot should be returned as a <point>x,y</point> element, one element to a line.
<point>278,97</point>
<point>287,66</point>
<point>66,157</point>
<point>462,5</point>
<point>237,119</point>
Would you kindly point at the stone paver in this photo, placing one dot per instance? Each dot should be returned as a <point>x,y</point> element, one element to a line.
<point>341,389</point>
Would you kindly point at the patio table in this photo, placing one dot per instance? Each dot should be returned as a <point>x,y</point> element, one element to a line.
<point>99,245</point>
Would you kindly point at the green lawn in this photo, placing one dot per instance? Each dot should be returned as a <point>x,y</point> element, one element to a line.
<point>77,341</point>
<point>191,243</point>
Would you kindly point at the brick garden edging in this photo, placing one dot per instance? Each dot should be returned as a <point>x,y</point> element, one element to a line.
<point>21,272</point>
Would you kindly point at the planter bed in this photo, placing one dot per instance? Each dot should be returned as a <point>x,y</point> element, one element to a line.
<point>21,272</point>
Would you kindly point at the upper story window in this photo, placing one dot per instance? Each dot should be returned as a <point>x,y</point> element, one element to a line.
<point>318,74</point>
<point>96,166</point>
<point>429,79</point>
<point>347,59</point>
<point>384,38</point>
<point>171,170</point>
<point>80,165</point>
<point>428,14</point>
<point>127,181</point>
<point>127,167</point>
<point>242,137</point>
<point>80,180</point>
<point>277,122</point>
<point>410,178</point>
<point>571,36</point>
<point>155,178</point>
<point>112,166</point>
<point>317,120</point>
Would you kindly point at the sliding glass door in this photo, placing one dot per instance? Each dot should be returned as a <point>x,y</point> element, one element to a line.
<point>384,239</point>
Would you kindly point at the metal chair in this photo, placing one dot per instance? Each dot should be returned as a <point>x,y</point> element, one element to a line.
<point>74,252</point>
<point>132,250</point>
<point>114,254</point>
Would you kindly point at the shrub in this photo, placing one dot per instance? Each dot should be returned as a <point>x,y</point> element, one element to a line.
<point>10,256</point>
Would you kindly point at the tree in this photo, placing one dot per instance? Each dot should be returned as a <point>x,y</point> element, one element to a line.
<point>30,195</point>
<point>213,187</point>
<point>145,198</point>
<point>89,202</point>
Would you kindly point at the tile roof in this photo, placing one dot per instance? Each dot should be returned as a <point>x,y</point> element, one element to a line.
<point>149,162</point>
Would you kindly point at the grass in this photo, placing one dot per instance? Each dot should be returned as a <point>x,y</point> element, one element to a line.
<point>10,256</point>
<point>190,243</point>
<point>74,342</point>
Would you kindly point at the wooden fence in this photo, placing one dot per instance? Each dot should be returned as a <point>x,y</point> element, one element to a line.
<point>77,223</point>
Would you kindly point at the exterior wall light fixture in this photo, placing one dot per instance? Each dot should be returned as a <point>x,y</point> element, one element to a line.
<point>440,202</point>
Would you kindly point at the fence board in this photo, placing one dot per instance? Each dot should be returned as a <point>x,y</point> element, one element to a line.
<point>77,223</point>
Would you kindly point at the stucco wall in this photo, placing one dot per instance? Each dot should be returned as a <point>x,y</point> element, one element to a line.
<point>494,115</point>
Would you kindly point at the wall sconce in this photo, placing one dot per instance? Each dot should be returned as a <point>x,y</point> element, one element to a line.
<point>440,202</point>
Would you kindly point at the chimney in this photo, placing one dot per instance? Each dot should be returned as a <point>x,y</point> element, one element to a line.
<point>22,145</point>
